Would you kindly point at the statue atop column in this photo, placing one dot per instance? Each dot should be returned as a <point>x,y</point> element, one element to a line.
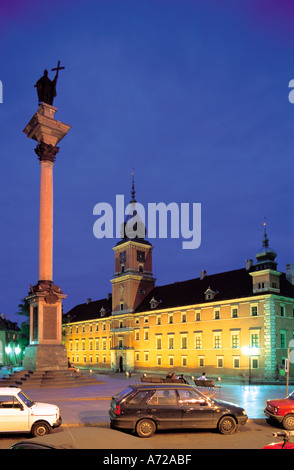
<point>46,88</point>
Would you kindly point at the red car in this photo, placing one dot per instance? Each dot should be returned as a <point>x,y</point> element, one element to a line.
<point>282,445</point>
<point>281,410</point>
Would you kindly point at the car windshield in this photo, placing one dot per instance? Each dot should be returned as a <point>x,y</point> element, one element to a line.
<point>291,396</point>
<point>26,399</point>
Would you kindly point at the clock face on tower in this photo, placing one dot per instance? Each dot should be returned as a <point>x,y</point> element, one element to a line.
<point>123,257</point>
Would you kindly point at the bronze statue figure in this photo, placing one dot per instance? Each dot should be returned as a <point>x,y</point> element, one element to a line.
<point>46,88</point>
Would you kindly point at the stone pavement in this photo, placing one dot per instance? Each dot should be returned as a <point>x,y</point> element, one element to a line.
<point>89,404</point>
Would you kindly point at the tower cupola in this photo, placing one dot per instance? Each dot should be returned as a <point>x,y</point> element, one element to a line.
<point>265,256</point>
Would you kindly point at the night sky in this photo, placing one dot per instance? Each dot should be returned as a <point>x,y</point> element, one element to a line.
<point>193,95</point>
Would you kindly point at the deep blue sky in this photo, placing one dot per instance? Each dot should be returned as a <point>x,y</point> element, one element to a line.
<point>192,94</point>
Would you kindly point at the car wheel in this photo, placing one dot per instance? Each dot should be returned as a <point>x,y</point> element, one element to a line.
<point>227,425</point>
<point>288,422</point>
<point>40,429</point>
<point>145,428</point>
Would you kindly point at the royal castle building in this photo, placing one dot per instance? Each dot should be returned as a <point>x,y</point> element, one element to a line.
<point>235,324</point>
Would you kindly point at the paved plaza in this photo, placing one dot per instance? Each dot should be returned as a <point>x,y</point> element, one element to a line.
<point>89,405</point>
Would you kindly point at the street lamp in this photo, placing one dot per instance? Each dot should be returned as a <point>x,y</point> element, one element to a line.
<point>250,350</point>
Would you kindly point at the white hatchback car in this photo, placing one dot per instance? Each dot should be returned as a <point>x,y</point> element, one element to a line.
<point>20,414</point>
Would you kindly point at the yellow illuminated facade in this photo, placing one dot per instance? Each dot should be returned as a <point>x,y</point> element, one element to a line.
<point>230,324</point>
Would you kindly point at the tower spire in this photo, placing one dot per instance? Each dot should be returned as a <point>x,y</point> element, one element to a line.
<point>133,192</point>
<point>265,238</point>
<point>266,255</point>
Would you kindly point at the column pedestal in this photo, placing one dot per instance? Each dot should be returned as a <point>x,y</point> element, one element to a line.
<point>45,351</point>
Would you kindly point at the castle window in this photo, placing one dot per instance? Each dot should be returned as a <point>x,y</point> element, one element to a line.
<point>217,340</point>
<point>219,361</point>
<point>123,256</point>
<point>234,313</point>
<point>140,256</point>
<point>236,362</point>
<point>198,341</point>
<point>159,342</point>
<point>184,318</point>
<point>217,315</point>
<point>282,310</point>
<point>254,339</point>
<point>254,311</point>
<point>184,342</point>
<point>235,340</point>
<point>170,342</point>
<point>282,338</point>
<point>201,361</point>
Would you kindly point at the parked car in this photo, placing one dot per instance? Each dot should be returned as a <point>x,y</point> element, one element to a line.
<point>284,444</point>
<point>146,408</point>
<point>282,411</point>
<point>20,414</point>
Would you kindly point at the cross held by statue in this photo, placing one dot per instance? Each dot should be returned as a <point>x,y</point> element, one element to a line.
<point>57,68</point>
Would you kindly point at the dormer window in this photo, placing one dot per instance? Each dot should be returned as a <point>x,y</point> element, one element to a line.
<point>210,294</point>
<point>154,303</point>
<point>102,312</point>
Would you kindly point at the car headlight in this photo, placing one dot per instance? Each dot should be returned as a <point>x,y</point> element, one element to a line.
<point>276,410</point>
<point>244,413</point>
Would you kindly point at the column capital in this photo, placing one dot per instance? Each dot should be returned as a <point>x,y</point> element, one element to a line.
<point>46,152</point>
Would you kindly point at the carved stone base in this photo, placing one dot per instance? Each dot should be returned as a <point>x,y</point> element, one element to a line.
<point>45,357</point>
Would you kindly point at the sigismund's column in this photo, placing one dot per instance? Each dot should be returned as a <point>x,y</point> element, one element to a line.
<point>45,351</point>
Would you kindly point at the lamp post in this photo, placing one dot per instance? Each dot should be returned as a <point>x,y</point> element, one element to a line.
<point>250,350</point>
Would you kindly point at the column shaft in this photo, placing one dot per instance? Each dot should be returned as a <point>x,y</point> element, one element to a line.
<point>46,221</point>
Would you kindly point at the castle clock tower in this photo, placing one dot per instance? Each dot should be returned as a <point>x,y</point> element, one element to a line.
<point>133,278</point>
